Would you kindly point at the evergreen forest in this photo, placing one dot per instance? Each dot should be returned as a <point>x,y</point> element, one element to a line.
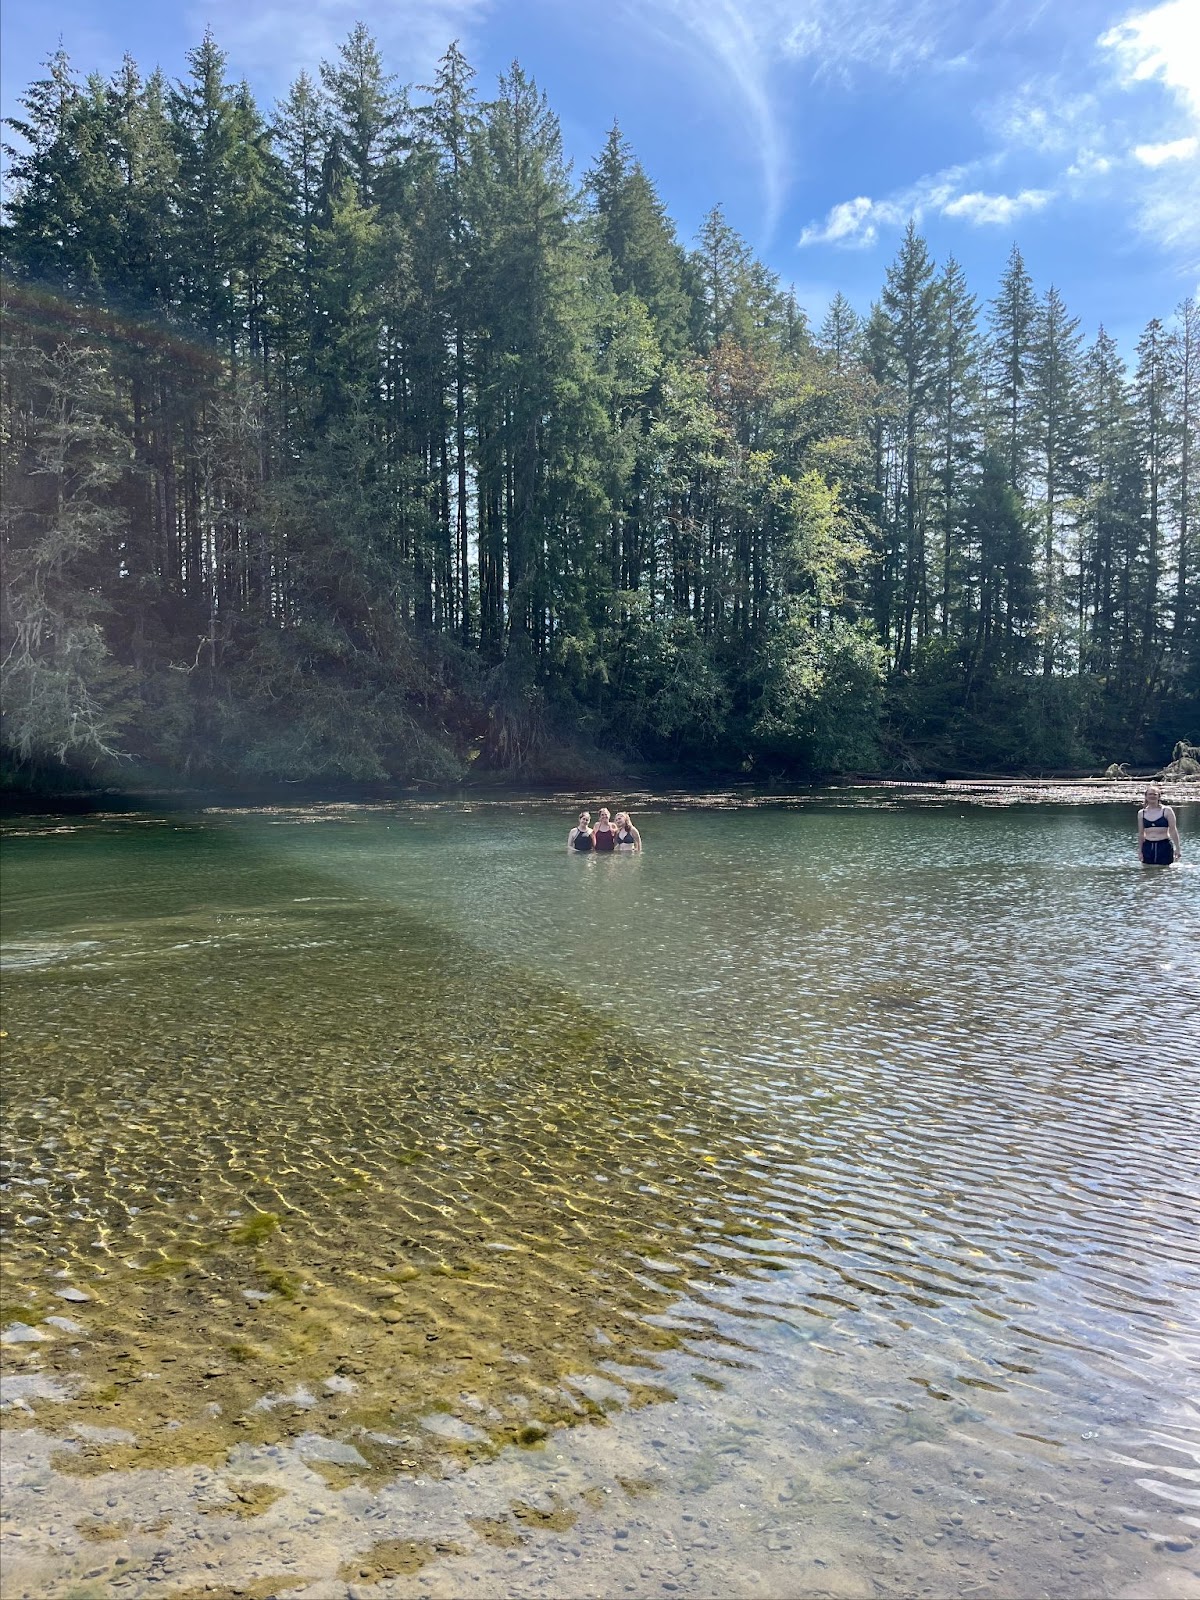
<point>365,441</point>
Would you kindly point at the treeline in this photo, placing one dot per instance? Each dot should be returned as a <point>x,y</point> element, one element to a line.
<point>363,441</point>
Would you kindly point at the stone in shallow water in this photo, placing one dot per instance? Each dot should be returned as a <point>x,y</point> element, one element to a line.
<point>19,1388</point>
<point>447,1427</point>
<point>299,1396</point>
<point>315,1447</point>
<point>93,1435</point>
<point>22,1333</point>
<point>64,1325</point>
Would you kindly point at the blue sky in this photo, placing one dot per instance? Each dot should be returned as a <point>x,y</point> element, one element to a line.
<point>1070,126</point>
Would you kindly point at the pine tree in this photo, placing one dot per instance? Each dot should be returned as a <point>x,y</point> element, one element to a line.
<point>521,202</point>
<point>366,111</point>
<point>301,134</point>
<point>637,240</point>
<point>42,208</point>
<point>909,307</point>
<point>1106,522</point>
<point>143,154</point>
<point>841,334</point>
<point>723,265</point>
<point>452,123</point>
<point>205,130</point>
<point>883,497</point>
<point>1184,360</point>
<point>643,326</point>
<point>1002,592</point>
<point>956,406</point>
<point>1151,390</point>
<point>1056,435</point>
<point>1011,330</point>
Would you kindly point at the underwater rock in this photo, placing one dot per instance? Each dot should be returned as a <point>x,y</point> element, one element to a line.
<point>22,1333</point>
<point>19,1388</point>
<point>315,1447</point>
<point>299,1396</point>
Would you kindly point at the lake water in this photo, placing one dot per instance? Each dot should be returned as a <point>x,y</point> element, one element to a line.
<point>397,1203</point>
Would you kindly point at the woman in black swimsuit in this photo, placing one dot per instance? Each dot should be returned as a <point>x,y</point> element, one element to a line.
<point>580,836</point>
<point>1158,832</point>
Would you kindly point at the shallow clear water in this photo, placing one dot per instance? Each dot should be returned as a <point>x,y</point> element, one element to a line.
<point>808,1205</point>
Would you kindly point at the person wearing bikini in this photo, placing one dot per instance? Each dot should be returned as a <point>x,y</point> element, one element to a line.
<point>629,840</point>
<point>1158,831</point>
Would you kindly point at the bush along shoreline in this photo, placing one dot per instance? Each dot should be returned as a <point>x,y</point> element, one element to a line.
<point>56,787</point>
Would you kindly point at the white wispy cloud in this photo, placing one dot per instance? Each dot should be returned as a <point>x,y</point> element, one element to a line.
<point>857,223</point>
<point>1155,155</point>
<point>1043,114</point>
<point>996,208</point>
<point>274,42</point>
<point>836,38</point>
<point>733,43</point>
<point>851,222</point>
<point>1160,47</point>
<point>756,48</point>
<point>1123,121</point>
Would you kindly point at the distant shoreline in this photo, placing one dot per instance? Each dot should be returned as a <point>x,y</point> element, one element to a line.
<point>637,787</point>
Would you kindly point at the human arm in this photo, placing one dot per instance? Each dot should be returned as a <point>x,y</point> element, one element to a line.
<point>1141,834</point>
<point>1173,831</point>
<point>637,838</point>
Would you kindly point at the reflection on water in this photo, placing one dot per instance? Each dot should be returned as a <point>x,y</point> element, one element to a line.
<point>397,1201</point>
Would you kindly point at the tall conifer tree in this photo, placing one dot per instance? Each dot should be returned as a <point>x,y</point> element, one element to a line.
<point>1011,324</point>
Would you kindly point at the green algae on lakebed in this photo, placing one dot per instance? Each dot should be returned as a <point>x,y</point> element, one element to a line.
<point>236,1191</point>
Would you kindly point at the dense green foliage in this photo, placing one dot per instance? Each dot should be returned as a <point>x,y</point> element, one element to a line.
<point>366,441</point>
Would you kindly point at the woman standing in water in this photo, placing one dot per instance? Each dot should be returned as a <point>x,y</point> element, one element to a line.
<point>628,838</point>
<point>1158,832</point>
<point>580,836</point>
<point>605,835</point>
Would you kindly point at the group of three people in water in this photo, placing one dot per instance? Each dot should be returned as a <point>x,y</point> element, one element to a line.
<point>616,834</point>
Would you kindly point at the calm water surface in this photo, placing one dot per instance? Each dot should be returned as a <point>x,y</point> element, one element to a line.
<point>398,1204</point>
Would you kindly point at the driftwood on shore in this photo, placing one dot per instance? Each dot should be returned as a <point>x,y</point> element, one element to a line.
<point>1184,763</point>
